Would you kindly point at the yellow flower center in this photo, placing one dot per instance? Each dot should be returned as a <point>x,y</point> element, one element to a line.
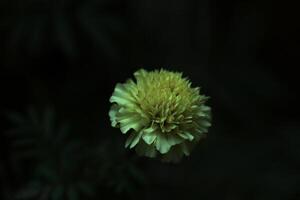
<point>166,99</point>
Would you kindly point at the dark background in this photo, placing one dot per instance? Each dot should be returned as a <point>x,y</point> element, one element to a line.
<point>60,61</point>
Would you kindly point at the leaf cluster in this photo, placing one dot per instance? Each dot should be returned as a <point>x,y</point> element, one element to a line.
<point>53,163</point>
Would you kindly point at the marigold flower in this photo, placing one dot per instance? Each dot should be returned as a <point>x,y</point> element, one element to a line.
<point>164,116</point>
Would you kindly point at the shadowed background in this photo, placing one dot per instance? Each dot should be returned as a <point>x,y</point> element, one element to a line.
<point>60,61</point>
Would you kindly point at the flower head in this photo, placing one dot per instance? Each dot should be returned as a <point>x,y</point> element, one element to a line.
<point>164,116</point>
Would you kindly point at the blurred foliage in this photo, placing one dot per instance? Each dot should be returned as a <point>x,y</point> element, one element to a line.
<point>56,165</point>
<point>70,28</point>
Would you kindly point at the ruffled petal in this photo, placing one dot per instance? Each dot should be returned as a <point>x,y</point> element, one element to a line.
<point>149,135</point>
<point>205,123</point>
<point>174,139</point>
<point>113,114</point>
<point>186,135</point>
<point>122,96</point>
<point>161,143</point>
<point>130,120</point>
<point>133,139</point>
<point>140,74</point>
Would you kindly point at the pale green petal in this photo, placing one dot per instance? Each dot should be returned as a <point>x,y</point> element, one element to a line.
<point>205,108</point>
<point>131,123</point>
<point>189,136</point>
<point>205,123</point>
<point>140,74</point>
<point>161,143</point>
<point>149,135</point>
<point>129,139</point>
<point>186,135</point>
<point>126,127</point>
<point>170,127</point>
<point>112,114</point>
<point>122,96</point>
<point>204,111</point>
<point>174,139</point>
<point>130,120</point>
<point>202,114</point>
<point>131,86</point>
<point>201,129</point>
<point>142,78</point>
<point>133,139</point>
